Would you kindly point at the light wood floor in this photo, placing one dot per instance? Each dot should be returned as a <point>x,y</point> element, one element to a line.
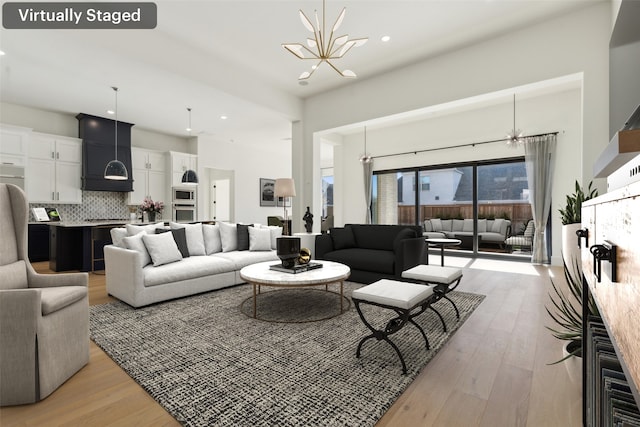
<point>493,371</point>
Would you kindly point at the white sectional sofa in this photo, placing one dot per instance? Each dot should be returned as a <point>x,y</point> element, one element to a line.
<point>491,230</point>
<point>215,258</point>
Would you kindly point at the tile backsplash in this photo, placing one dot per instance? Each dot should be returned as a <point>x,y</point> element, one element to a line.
<point>95,205</point>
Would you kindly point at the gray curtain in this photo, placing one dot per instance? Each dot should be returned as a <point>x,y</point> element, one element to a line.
<point>367,168</point>
<point>539,152</point>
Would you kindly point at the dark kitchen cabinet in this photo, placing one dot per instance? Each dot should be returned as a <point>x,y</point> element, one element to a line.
<point>38,242</point>
<point>98,148</point>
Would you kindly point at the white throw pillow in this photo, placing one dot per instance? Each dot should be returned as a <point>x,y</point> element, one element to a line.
<point>137,244</point>
<point>162,248</point>
<point>117,234</point>
<point>276,232</point>
<point>229,236</point>
<point>195,237</point>
<point>212,240</point>
<point>259,239</point>
<point>132,230</point>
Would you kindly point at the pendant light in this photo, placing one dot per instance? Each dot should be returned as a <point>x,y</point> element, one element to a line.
<point>189,177</point>
<point>116,170</point>
<point>515,136</point>
<point>366,157</point>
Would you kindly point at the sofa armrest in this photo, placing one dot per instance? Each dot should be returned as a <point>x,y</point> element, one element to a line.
<point>19,314</point>
<point>409,253</point>
<point>124,275</point>
<point>324,244</point>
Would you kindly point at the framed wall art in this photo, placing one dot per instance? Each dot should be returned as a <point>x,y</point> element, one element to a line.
<point>267,192</point>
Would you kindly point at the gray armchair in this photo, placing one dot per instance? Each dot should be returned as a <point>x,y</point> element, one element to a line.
<point>44,318</point>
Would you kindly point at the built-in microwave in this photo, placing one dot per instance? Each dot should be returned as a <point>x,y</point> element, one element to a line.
<point>183,195</point>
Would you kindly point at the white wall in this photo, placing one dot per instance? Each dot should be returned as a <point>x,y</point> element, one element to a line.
<point>267,159</point>
<point>569,44</point>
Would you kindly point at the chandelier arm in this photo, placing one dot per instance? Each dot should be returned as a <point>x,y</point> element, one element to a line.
<point>315,54</point>
<point>337,48</point>
<point>333,66</point>
<point>341,54</point>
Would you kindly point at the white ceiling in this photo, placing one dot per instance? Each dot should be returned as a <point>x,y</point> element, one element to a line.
<point>225,57</point>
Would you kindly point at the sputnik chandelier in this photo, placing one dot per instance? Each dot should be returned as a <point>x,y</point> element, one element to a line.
<point>322,48</point>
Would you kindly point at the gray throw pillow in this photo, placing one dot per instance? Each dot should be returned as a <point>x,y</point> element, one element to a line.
<point>342,238</point>
<point>242,231</point>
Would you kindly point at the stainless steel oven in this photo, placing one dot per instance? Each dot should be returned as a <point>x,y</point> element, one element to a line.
<point>184,212</point>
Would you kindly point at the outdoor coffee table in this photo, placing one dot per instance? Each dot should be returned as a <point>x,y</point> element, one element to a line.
<point>260,275</point>
<point>442,243</point>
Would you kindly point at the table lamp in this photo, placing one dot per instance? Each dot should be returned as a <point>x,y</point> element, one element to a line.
<point>285,187</point>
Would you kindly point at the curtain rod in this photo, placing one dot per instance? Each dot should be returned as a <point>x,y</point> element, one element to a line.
<point>471,144</point>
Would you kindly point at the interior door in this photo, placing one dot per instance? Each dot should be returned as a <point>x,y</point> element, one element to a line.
<point>221,200</point>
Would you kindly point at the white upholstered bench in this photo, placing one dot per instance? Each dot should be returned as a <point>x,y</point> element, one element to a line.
<point>407,300</point>
<point>444,280</point>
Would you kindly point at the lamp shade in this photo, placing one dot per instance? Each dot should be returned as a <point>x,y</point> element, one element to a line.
<point>285,187</point>
<point>190,177</point>
<point>116,170</point>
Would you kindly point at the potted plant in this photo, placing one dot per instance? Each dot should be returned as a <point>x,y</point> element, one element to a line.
<point>571,217</point>
<point>566,312</point>
<point>151,208</point>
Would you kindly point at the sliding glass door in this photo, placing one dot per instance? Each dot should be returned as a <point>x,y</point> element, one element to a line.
<point>481,204</point>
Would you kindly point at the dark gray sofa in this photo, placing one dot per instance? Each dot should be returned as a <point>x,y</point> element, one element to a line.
<point>374,251</point>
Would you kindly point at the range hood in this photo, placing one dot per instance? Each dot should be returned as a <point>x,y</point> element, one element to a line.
<point>98,149</point>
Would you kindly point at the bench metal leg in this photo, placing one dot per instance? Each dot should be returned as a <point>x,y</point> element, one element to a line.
<point>394,325</point>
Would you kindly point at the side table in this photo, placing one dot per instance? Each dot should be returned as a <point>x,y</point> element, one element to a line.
<point>308,240</point>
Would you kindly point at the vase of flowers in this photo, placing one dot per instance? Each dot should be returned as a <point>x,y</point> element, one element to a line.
<point>151,208</point>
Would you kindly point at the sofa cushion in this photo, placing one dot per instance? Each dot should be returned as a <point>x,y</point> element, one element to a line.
<point>137,244</point>
<point>241,259</point>
<point>195,237</point>
<point>482,226</point>
<point>117,234</point>
<point>229,236</point>
<point>189,268</point>
<point>467,225</point>
<point>58,297</point>
<point>212,239</point>
<point>405,233</point>
<point>528,232</point>
<point>276,232</point>
<point>132,229</point>
<point>380,237</point>
<point>259,239</point>
<point>342,238</point>
<point>373,260</point>
<point>162,248</point>
<point>436,224</point>
<point>242,231</point>
<point>179,237</point>
<point>456,225</point>
<point>496,227</point>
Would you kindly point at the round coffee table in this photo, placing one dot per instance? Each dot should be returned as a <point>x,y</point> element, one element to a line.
<point>260,275</point>
<point>442,243</point>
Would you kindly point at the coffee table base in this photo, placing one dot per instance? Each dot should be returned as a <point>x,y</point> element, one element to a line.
<point>296,305</point>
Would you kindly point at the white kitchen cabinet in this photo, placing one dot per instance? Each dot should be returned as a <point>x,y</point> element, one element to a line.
<point>179,164</point>
<point>149,175</point>
<point>13,145</point>
<point>54,169</point>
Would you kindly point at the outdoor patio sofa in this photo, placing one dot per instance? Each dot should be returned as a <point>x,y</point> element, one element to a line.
<point>494,231</point>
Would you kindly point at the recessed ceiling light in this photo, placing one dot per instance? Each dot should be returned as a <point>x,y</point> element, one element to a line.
<point>2,52</point>
<point>110,112</point>
<point>223,117</point>
<point>385,38</point>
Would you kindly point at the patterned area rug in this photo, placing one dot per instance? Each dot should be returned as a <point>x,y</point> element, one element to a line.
<point>209,364</point>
